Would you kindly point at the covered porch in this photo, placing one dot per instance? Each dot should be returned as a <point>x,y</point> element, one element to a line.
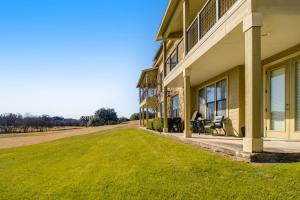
<point>246,42</point>
<point>148,95</point>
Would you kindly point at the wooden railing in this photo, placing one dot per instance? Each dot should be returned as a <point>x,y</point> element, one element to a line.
<point>147,93</point>
<point>208,16</point>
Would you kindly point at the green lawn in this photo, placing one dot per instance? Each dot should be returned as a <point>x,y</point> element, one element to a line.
<point>133,164</point>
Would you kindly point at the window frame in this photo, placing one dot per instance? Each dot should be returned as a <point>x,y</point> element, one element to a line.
<point>208,84</point>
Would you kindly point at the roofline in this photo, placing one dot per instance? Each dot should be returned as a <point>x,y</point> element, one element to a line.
<point>167,16</point>
<point>158,52</point>
<point>144,72</point>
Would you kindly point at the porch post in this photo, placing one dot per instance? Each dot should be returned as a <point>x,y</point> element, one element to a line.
<point>186,23</point>
<point>143,116</point>
<point>165,57</point>
<point>147,115</point>
<point>187,103</point>
<point>165,110</point>
<point>140,117</point>
<point>253,142</point>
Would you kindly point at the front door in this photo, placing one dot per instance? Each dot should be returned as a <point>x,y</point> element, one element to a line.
<point>277,101</point>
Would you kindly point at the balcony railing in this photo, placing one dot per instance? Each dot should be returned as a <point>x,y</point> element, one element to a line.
<point>208,16</point>
<point>212,11</point>
<point>175,57</point>
<point>147,93</point>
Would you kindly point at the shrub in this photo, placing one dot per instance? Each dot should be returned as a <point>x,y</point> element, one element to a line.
<point>158,124</point>
<point>150,124</point>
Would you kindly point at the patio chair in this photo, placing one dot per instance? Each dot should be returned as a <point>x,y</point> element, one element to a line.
<point>218,123</point>
<point>195,124</point>
<point>175,125</point>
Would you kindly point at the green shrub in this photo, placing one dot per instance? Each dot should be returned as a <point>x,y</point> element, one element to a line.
<point>158,124</point>
<point>150,124</point>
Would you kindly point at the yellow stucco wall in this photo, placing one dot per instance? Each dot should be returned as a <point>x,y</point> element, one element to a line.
<point>236,99</point>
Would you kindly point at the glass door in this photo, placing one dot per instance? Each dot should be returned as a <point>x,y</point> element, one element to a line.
<point>277,102</point>
<point>295,100</point>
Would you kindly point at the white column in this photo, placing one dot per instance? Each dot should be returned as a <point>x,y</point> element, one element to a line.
<point>253,142</point>
<point>187,103</point>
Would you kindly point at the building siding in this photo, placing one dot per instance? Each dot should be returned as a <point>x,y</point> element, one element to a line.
<point>236,102</point>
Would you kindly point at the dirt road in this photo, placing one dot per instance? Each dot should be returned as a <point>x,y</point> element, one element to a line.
<point>17,140</point>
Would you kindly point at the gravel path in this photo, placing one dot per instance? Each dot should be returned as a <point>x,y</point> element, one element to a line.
<point>18,141</point>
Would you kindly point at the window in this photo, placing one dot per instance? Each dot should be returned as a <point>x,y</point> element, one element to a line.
<point>210,102</point>
<point>173,60</point>
<point>175,106</point>
<point>213,100</point>
<point>222,98</point>
<point>202,102</point>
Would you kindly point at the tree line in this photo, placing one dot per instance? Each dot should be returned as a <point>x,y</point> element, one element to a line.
<point>17,123</point>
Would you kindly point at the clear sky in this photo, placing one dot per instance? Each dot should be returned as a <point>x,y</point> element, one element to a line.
<point>71,57</point>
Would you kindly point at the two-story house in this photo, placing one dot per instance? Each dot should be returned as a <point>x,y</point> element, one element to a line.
<point>234,58</point>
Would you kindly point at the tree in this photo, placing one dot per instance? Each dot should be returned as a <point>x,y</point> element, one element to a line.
<point>84,120</point>
<point>135,116</point>
<point>105,116</point>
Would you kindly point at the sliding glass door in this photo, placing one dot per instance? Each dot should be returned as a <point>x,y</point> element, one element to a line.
<point>278,97</point>
<point>278,102</point>
<point>295,100</point>
<point>282,100</point>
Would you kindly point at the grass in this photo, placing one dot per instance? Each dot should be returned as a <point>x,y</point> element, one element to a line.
<point>133,164</point>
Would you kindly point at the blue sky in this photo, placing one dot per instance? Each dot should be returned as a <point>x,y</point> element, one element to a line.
<point>71,57</point>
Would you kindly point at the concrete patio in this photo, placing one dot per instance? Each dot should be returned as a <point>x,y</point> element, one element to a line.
<point>275,150</point>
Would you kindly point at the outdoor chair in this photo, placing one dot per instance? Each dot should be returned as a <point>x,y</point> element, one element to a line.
<point>175,125</point>
<point>216,124</point>
<point>196,123</point>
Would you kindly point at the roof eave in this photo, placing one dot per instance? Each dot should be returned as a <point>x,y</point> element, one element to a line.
<point>144,72</point>
<point>167,16</point>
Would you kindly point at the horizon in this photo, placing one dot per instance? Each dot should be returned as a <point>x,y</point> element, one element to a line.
<point>71,59</point>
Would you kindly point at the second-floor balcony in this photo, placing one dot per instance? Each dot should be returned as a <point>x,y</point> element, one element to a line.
<point>205,20</point>
<point>208,16</point>
<point>147,93</point>
<point>148,84</point>
<point>175,57</point>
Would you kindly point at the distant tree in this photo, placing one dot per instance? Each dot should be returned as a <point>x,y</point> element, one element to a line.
<point>135,116</point>
<point>84,120</point>
<point>105,116</point>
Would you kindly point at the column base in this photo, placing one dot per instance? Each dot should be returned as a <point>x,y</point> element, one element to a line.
<point>187,133</point>
<point>165,130</point>
<point>253,145</point>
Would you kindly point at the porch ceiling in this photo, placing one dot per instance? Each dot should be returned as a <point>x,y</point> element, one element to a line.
<point>172,23</point>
